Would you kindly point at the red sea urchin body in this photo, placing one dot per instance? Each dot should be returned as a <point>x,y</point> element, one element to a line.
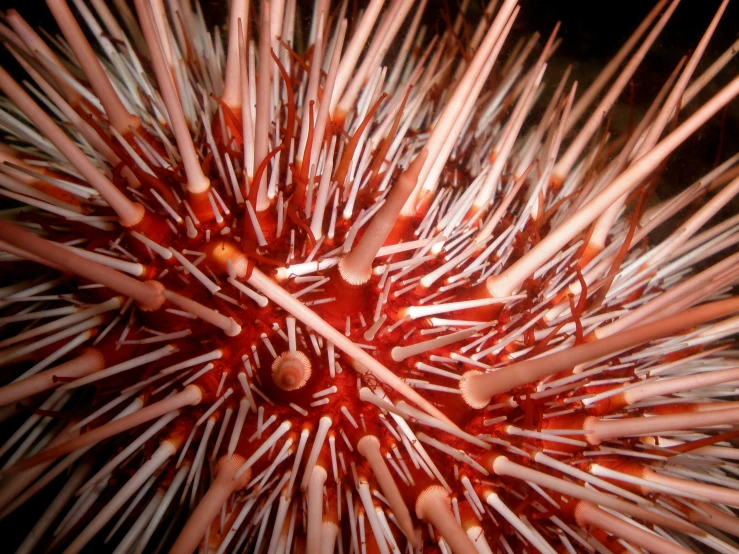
<point>261,293</point>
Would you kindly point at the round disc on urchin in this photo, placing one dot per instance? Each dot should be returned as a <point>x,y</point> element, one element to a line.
<point>291,372</point>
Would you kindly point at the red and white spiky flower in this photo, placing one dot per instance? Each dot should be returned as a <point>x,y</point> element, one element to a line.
<point>260,297</point>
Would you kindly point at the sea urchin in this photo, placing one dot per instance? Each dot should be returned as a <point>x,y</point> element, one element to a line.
<point>275,292</point>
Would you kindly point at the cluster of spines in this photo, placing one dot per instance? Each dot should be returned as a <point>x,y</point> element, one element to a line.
<point>217,198</point>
